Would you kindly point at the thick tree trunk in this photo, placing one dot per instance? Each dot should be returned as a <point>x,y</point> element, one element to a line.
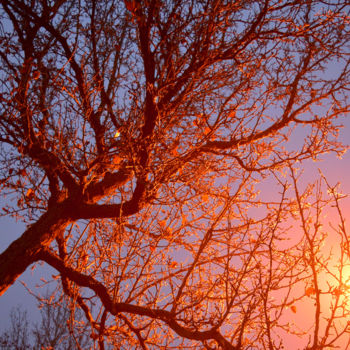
<point>23,251</point>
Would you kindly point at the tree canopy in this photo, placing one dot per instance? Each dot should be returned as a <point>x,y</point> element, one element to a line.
<point>135,137</point>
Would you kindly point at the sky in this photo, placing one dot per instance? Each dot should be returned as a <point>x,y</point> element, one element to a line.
<point>336,170</point>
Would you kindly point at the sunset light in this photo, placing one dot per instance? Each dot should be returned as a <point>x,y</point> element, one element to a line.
<point>174,174</point>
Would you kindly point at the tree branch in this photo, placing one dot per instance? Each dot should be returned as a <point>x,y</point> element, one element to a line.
<point>116,307</point>
<point>24,250</point>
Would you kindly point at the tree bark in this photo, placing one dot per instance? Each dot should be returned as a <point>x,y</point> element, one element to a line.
<point>24,250</point>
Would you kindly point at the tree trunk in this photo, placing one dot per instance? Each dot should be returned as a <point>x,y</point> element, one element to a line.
<point>23,251</point>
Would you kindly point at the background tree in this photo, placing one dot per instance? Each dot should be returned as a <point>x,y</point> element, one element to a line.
<point>134,139</point>
<point>16,337</point>
<point>56,329</point>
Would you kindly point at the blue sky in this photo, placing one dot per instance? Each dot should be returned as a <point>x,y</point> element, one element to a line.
<point>336,170</point>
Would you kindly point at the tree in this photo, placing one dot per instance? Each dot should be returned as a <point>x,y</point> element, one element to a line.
<point>16,337</point>
<point>56,330</point>
<point>135,136</point>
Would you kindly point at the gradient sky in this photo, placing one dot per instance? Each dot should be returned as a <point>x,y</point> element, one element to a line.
<point>336,170</point>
